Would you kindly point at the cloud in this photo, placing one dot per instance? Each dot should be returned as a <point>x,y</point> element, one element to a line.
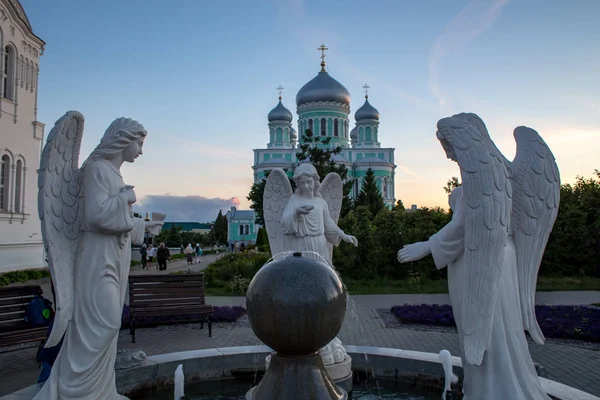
<point>185,208</point>
<point>473,20</point>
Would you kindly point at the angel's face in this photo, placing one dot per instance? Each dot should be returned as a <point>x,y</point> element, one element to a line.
<point>448,149</point>
<point>306,185</point>
<point>134,150</point>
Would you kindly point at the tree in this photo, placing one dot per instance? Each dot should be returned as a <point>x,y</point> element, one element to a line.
<point>451,184</point>
<point>256,197</point>
<point>220,228</point>
<point>370,196</point>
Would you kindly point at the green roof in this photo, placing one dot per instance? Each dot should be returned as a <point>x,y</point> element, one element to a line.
<point>188,226</point>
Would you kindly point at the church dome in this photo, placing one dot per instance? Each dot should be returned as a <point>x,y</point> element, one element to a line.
<point>323,88</point>
<point>280,113</point>
<point>293,134</point>
<point>354,134</point>
<point>366,111</point>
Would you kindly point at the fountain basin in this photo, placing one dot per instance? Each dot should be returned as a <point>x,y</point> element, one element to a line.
<point>227,362</point>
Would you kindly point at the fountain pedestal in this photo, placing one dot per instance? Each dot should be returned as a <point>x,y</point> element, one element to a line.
<point>296,306</point>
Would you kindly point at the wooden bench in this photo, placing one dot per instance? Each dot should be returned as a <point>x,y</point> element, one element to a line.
<point>167,295</point>
<point>13,328</point>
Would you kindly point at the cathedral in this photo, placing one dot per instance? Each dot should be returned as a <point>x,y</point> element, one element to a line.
<point>323,106</point>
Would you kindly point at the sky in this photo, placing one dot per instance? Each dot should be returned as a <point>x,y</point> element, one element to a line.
<point>201,77</point>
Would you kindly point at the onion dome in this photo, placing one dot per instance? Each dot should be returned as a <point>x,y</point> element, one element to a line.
<point>280,113</point>
<point>354,134</point>
<point>323,88</point>
<point>293,135</point>
<point>366,111</point>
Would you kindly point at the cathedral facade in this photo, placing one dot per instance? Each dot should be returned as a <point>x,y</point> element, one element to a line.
<point>323,106</point>
<point>21,137</point>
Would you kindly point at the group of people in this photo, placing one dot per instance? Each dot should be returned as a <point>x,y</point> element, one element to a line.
<point>237,247</point>
<point>161,253</point>
<point>193,256</point>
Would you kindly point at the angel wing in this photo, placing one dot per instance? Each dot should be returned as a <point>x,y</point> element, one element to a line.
<point>61,212</point>
<point>536,197</point>
<point>278,191</point>
<point>331,189</point>
<point>487,197</point>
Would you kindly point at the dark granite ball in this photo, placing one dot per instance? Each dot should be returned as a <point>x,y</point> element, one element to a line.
<point>296,305</point>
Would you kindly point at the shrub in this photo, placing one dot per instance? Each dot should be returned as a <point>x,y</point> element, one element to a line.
<point>560,322</point>
<point>222,272</point>
<point>239,285</point>
<point>23,276</point>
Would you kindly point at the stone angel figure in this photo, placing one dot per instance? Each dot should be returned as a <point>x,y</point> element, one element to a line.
<point>306,220</point>
<point>502,217</point>
<point>88,227</point>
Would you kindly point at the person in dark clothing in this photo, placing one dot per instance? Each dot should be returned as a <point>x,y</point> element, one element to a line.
<point>161,257</point>
<point>47,356</point>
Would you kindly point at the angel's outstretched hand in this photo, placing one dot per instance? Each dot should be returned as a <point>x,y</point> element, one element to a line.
<point>414,252</point>
<point>350,239</point>
<point>154,227</point>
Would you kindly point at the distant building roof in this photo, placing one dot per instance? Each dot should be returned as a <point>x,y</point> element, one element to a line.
<point>188,226</point>
<point>235,214</point>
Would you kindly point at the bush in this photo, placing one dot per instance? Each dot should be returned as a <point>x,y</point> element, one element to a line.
<point>237,266</point>
<point>23,276</point>
<point>560,322</point>
<point>239,285</point>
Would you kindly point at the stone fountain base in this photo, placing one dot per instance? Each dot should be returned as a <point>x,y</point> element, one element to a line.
<point>282,374</point>
<point>339,372</point>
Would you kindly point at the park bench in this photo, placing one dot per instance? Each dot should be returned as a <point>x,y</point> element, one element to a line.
<point>179,297</point>
<point>13,328</point>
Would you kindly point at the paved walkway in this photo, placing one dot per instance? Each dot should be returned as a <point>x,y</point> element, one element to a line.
<point>567,362</point>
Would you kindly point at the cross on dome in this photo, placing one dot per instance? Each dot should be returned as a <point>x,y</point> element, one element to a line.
<point>322,49</point>
<point>366,87</point>
<point>280,90</point>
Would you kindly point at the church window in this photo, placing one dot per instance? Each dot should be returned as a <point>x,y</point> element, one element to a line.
<point>241,229</point>
<point>278,135</point>
<point>385,188</point>
<point>18,186</point>
<point>323,127</point>
<point>368,134</point>
<point>4,171</point>
<point>336,127</point>
<point>8,73</point>
<point>246,229</point>
<point>310,125</point>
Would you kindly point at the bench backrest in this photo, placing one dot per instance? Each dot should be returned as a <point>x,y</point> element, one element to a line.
<point>13,302</point>
<point>146,291</point>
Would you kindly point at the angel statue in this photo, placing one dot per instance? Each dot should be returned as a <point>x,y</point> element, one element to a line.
<point>502,217</point>
<point>306,220</point>
<point>88,227</point>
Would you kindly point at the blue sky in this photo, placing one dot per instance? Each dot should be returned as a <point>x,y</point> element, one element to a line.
<point>201,77</point>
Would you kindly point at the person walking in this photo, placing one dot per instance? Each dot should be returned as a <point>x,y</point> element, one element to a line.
<point>161,257</point>
<point>151,252</point>
<point>144,253</point>
<point>198,253</point>
<point>189,254</point>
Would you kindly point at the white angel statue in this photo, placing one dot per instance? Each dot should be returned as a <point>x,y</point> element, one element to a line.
<point>88,227</point>
<point>502,217</point>
<point>306,220</point>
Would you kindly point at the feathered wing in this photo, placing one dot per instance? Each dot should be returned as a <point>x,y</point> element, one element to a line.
<point>332,191</point>
<point>487,198</point>
<point>278,191</point>
<point>536,197</point>
<point>60,207</point>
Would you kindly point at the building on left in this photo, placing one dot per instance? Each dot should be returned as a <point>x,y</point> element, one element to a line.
<point>21,139</point>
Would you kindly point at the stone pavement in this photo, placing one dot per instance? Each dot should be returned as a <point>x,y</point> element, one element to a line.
<point>570,363</point>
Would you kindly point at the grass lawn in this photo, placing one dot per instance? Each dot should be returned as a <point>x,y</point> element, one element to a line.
<point>389,286</point>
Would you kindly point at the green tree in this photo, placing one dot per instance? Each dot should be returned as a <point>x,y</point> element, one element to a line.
<point>256,197</point>
<point>451,184</point>
<point>370,196</point>
<point>219,229</point>
<point>262,240</point>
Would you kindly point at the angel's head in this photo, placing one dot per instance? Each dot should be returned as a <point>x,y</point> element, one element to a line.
<point>307,180</point>
<point>123,137</point>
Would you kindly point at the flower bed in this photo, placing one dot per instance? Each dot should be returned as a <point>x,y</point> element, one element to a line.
<point>559,322</point>
<point>220,314</point>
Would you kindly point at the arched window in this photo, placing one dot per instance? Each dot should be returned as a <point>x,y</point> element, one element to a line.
<point>278,135</point>
<point>368,137</point>
<point>385,188</point>
<point>247,230</point>
<point>241,229</point>
<point>336,128</point>
<point>4,177</point>
<point>323,127</point>
<point>19,187</point>
<point>8,71</point>
<point>310,125</point>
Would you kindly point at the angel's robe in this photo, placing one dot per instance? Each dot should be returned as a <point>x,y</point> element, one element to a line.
<point>507,370</point>
<point>85,367</point>
<point>312,231</point>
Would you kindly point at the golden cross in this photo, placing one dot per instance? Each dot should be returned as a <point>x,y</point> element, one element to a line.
<point>366,87</point>
<point>322,48</point>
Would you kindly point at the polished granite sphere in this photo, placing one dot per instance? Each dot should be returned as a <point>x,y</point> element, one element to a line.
<point>296,305</point>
